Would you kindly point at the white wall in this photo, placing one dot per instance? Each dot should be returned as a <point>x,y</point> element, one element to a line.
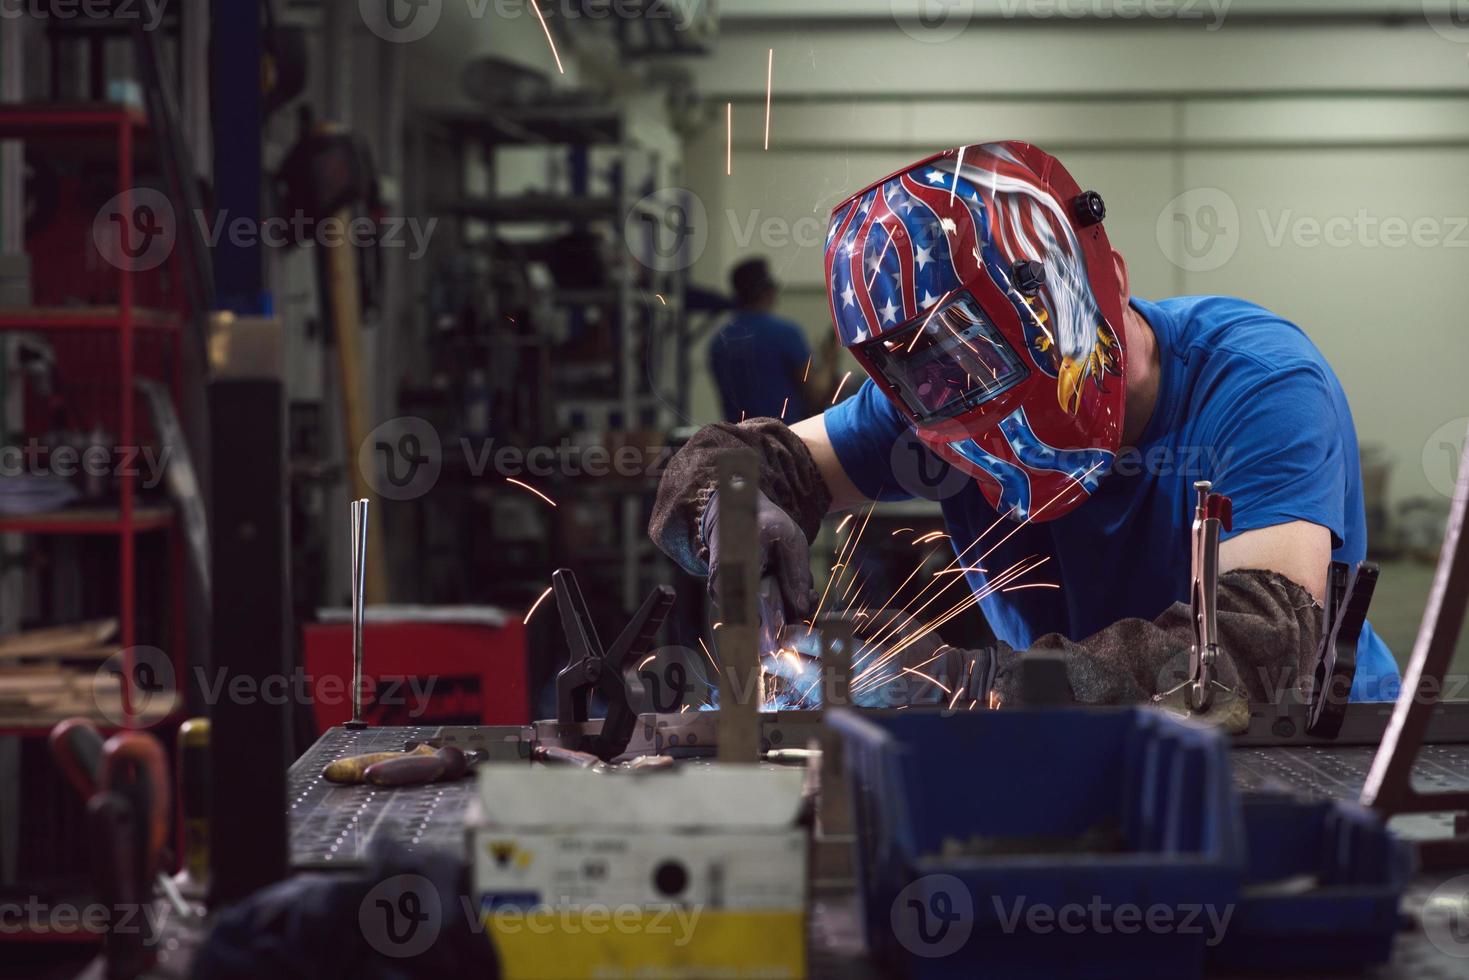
<point>1278,125</point>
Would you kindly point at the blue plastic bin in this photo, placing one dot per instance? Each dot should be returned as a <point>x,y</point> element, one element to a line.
<point>1156,786</point>
<point>1321,888</point>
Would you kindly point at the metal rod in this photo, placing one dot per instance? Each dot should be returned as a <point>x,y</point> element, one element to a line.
<point>359,594</point>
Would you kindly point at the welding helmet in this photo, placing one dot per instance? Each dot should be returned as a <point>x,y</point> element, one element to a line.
<point>977,289</point>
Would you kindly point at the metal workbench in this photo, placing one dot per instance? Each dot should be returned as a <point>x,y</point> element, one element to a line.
<point>334,826</point>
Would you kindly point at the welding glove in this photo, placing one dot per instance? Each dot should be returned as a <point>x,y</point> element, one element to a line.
<point>794,499</point>
<point>784,552</point>
<point>1269,631</point>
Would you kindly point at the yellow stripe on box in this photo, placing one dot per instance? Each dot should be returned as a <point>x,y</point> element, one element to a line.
<point>570,944</point>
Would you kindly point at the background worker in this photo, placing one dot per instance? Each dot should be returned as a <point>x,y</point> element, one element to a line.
<point>979,291</point>
<point>761,362</point>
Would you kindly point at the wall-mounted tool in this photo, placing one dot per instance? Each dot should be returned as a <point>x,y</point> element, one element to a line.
<point>1348,593</point>
<point>1212,511</point>
<point>604,671</point>
<point>358,514</point>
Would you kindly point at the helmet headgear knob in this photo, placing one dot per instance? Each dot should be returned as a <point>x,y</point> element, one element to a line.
<point>1088,208</point>
<point>1028,276</point>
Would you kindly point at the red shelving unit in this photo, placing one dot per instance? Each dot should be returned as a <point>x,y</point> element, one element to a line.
<point>96,131</point>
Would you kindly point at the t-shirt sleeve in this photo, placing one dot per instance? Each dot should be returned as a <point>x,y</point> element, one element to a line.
<point>1277,448</point>
<point>864,430</point>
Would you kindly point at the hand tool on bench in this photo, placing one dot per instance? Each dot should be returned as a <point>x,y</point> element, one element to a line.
<point>1348,593</point>
<point>606,672</point>
<point>417,768</point>
<point>353,769</point>
<point>358,510</point>
<point>1212,511</point>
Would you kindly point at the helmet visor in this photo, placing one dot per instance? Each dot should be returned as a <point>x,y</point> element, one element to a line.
<point>947,361</point>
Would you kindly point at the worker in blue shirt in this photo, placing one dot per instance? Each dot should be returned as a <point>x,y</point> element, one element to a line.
<point>1062,424</point>
<point>762,362</point>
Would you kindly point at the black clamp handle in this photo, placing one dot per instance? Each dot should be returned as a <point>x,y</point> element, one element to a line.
<point>1348,593</point>
<point>591,669</point>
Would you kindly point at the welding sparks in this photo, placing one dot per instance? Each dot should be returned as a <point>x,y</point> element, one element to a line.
<point>785,405</point>
<point>899,531</point>
<point>840,384</point>
<point>511,479</point>
<point>661,299</point>
<point>877,266</point>
<point>845,521</point>
<point>728,138</point>
<point>535,605</point>
<point>806,373</point>
<point>936,307</point>
<point>535,5</point>
<point>1031,585</point>
<point>647,660</point>
<point>930,536</point>
<point>954,181</point>
<point>769,69</point>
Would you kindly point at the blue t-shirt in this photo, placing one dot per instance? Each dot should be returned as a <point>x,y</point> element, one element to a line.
<point>757,360</point>
<point>1245,400</point>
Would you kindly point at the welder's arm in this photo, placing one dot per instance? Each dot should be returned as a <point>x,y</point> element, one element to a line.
<point>1269,627</point>
<point>843,493</point>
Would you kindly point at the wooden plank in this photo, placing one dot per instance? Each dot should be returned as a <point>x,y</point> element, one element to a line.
<point>343,299</point>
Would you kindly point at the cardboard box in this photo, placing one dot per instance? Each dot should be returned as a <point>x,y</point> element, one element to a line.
<point>695,872</point>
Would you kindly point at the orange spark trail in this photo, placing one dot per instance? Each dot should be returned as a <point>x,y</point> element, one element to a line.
<point>728,138</point>
<point>511,479</point>
<point>840,385</point>
<point>535,5</point>
<point>535,605</point>
<point>769,69</point>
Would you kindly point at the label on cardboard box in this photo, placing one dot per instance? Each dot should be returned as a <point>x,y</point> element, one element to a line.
<point>715,888</point>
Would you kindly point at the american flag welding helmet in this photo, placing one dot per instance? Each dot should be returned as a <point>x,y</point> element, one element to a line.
<point>977,289</point>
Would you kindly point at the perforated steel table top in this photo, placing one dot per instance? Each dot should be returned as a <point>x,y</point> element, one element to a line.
<point>334,826</point>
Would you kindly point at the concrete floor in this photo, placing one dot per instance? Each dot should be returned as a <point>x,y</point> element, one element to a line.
<point>1397,609</point>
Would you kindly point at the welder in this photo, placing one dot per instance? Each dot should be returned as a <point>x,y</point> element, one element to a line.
<point>979,291</point>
